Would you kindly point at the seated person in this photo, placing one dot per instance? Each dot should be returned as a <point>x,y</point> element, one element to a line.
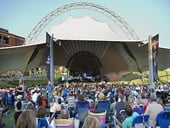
<point>30,105</point>
<point>64,120</point>
<point>65,115</point>
<point>127,123</point>
<point>71,104</point>
<point>120,106</point>
<point>26,119</point>
<point>153,109</point>
<point>92,106</point>
<point>91,122</point>
<point>41,121</point>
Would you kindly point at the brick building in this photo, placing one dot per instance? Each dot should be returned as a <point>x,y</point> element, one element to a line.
<point>8,39</point>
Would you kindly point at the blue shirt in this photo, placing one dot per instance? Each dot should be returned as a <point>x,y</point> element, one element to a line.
<point>50,88</point>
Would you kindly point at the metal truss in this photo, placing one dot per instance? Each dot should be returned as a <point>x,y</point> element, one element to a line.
<point>122,24</point>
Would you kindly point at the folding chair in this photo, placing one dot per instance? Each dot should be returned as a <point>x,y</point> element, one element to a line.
<point>167,108</point>
<point>102,106</point>
<point>42,123</point>
<point>139,109</point>
<point>71,106</point>
<point>100,116</point>
<point>163,119</point>
<point>64,123</point>
<point>141,121</point>
<point>82,111</point>
<point>141,106</point>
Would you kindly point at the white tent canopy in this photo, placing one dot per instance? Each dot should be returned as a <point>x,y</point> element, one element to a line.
<point>84,28</point>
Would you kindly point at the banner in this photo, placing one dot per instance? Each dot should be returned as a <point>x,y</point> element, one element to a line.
<point>48,59</point>
<point>155,46</point>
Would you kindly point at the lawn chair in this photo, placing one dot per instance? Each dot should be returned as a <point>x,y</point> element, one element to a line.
<point>163,119</point>
<point>64,123</point>
<point>141,121</point>
<point>167,108</point>
<point>102,106</point>
<point>139,109</point>
<point>100,116</point>
<point>42,123</point>
<point>82,111</point>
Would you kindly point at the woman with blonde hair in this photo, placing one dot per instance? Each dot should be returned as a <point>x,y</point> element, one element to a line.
<point>26,119</point>
<point>20,89</point>
<point>91,122</point>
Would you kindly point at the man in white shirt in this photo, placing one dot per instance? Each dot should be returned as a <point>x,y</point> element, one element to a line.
<point>153,109</point>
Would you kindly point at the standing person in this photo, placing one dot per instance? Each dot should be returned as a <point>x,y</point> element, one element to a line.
<point>20,90</point>
<point>18,111</point>
<point>57,112</point>
<point>49,90</point>
<point>53,105</point>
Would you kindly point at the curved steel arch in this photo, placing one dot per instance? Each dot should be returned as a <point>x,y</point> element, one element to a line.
<point>123,25</point>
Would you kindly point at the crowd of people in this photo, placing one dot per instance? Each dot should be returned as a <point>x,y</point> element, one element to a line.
<point>39,105</point>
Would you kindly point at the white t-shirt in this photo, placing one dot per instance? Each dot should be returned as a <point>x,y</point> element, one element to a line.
<point>34,97</point>
<point>53,107</point>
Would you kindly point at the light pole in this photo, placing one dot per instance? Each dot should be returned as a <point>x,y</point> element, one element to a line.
<point>52,60</point>
<point>150,57</point>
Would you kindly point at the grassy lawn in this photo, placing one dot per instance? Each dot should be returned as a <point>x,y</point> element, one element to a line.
<point>8,119</point>
<point>28,83</point>
<point>135,77</point>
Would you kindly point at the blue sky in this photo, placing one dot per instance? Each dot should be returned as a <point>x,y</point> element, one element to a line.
<point>146,17</point>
